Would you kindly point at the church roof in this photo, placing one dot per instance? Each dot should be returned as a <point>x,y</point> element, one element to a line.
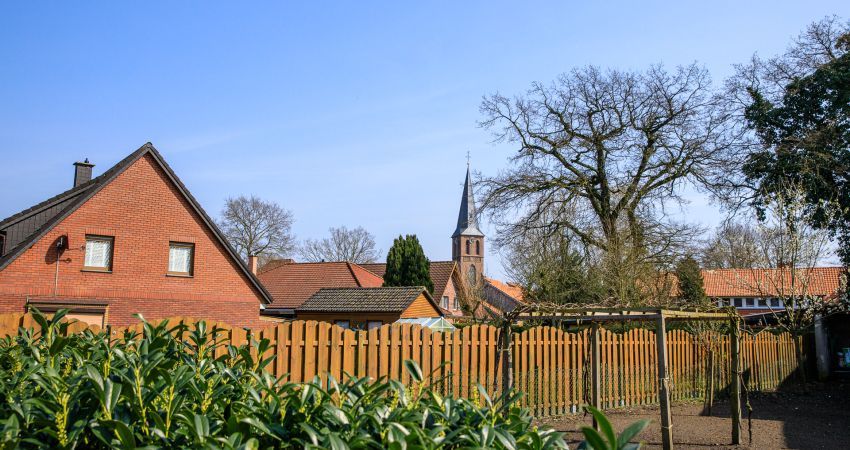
<point>467,220</point>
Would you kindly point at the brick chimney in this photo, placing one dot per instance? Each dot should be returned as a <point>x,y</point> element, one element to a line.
<point>82,172</point>
<point>252,263</point>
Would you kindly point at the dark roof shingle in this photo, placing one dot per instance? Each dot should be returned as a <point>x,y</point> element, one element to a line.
<point>382,299</point>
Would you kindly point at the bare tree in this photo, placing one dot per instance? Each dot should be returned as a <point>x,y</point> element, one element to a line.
<point>355,245</point>
<point>257,227</point>
<point>615,148</point>
<point>733,245</point>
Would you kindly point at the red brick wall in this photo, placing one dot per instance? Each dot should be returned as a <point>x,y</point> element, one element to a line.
<point>143,210</point>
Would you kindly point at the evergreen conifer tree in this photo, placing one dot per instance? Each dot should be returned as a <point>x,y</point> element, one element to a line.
<point>407,264</point>
<point>691,288</point>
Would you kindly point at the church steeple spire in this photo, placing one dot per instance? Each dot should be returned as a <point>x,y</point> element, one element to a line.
<point>468,240</point>
<point>467,220</point>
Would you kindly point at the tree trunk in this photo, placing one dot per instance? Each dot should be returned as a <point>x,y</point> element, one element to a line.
<point>801,358</point>
<point>708,403</point>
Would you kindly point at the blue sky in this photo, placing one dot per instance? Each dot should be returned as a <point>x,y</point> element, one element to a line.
<point>355,113</point>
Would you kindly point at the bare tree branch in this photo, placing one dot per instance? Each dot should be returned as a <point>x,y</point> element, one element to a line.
<point>356,245</point>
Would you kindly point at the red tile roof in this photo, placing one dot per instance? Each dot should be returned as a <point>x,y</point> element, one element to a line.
<point>817,281</point>
<point>290,284</point>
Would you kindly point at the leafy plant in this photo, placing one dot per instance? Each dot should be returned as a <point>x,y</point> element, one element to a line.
<point>607,439</point>
<point>165,388</point>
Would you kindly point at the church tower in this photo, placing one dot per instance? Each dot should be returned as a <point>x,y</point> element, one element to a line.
<point>468,240</point>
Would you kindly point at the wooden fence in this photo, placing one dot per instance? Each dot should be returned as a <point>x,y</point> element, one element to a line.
<point>551,366</point>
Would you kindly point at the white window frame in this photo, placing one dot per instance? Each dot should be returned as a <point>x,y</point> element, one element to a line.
<point>191,268</point>
<point>110,240</point>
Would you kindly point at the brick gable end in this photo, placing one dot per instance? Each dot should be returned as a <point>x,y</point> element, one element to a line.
<point>144,211</point>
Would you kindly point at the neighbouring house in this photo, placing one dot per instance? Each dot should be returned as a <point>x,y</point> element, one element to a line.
<point>447,280</point>
<point>367,308</point>
<point>760,291</point>
<point>130,241</point>
<point>291,284</point>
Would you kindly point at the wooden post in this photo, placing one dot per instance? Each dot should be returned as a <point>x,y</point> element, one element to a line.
<point>735,374</point>
<point>595,371</point>
<point>506,355</point>
<point>663,385</point>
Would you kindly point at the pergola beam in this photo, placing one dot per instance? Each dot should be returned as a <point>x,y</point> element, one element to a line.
<point>660,316</point>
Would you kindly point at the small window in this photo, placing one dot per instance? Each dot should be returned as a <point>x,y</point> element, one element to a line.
<point>467,247</point>
<point>477,247</point>
<point>762,303</point>
<point>739,302</point>
<point>751,302</point>
<point>445,302</point>
<point>343,324</point>
<point>774,302</point>
<point>456,304</point>
<point>375,324</point>
<point>181,258</point>
<point>98,253</point>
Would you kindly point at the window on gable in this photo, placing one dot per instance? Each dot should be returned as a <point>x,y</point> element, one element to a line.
<point>98,253</point>
<point>181,258</point>
<point>456,305</point>
<point>445,302</point>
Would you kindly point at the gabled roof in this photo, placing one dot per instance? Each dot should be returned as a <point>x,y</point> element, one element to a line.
<point>52,211</point>
<point>467,219</point>
<point>441,273</point>
<point>813,281</point>
<point>291,283</point>
<point>382,299</point>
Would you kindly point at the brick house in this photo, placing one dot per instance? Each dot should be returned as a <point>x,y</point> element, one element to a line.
<point>130,241</point>
<point>367,308</point>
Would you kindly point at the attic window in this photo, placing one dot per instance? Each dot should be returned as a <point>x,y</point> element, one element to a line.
<point>98,253</point>
<point>181,258</point>
<point>2,243</point>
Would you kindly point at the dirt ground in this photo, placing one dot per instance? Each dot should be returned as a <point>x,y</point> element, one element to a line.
<point>818,418</point>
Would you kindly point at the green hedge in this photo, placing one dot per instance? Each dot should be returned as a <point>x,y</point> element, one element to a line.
<point>158,391</point>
